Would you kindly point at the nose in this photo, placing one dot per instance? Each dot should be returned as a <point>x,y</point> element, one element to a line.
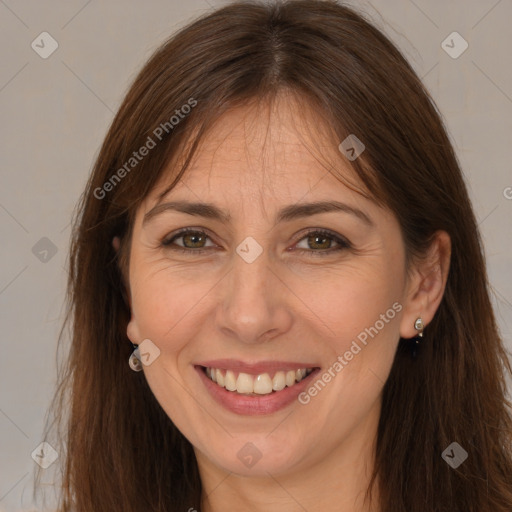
<point>254,304</point>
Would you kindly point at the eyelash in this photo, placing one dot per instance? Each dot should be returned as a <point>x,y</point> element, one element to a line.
<point>343,243</point>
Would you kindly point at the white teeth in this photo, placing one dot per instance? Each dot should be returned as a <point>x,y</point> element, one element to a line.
<point>229,381</point>
<point>244,383</point>
<point>259,384</point>
<point>290,378</point>
<point>279,381</point>
<point>263,384</point>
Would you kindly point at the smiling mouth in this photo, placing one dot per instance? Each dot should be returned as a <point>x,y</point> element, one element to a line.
<point>256,385</point>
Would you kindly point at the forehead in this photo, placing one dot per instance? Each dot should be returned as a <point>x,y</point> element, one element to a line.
<point>267,149</point>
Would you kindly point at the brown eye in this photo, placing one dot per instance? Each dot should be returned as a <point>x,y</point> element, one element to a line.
<point>192,241</point>
<point>319,242</point>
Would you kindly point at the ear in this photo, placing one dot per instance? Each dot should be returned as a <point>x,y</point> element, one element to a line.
<point>426,284</point>
<point>116,243</point>
<point>131,327</point>
<point>133,331</point>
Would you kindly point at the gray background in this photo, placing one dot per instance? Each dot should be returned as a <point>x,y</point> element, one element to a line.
<point>55,113</point>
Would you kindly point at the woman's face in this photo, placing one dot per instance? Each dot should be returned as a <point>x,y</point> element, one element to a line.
<point>261,287</point>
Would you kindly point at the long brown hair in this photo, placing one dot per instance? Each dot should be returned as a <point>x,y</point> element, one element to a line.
<point>120,450</point>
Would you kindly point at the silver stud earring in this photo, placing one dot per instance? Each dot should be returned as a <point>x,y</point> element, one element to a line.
<point>419,326</point>
<point>134,361</point>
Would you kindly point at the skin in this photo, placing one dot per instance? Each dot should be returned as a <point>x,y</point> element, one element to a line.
<point>283,306</point>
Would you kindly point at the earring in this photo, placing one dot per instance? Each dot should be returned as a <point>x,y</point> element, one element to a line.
<point>134,361</point>
<point>419,326</point>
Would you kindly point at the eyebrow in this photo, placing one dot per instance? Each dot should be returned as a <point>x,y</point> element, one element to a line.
<point>286,214</point>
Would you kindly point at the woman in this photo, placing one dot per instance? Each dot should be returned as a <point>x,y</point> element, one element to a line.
<point>278,234</point>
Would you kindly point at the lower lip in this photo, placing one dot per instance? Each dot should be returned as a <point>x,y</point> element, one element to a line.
<point>254,405</point>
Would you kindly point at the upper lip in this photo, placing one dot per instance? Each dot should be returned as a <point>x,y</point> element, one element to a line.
<point>256,368</point>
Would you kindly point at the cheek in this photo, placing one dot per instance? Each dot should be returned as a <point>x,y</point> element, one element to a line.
<point>354,301</point>
<point>357,362</point>
<point>163,304</point>
<point>360,319</point>
<point>161,299</point>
